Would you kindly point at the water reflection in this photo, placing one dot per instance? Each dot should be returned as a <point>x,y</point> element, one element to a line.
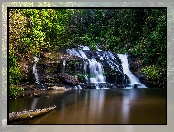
<point>125,109</point>
<point>34,103</point>
<point>126,101</point>
<point>96,102</point>
<point>105,106</point>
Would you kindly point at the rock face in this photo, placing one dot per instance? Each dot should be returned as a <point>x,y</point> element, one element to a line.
<point>80,66</point>
<point>26,72</point>
<point>135,67</point>
<point>72,70</point>
<point>67,78</point>
<point>97,67</point>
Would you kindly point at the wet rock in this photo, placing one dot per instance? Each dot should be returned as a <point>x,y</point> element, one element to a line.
<point>69,79</point>
<point>57,88</point>
<point>134,86</point>
<point>36,94</point>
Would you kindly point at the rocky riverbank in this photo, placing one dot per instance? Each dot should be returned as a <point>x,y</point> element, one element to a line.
<point>31,91</point>
<point>136,65</point>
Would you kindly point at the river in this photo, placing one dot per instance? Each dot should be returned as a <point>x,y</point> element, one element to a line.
<point>94,106</point>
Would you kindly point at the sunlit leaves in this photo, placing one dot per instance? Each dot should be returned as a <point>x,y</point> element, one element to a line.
<point>139,32</point>
<point>151,72</point>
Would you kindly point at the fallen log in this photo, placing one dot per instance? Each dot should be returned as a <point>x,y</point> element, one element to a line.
<point>26,115</point>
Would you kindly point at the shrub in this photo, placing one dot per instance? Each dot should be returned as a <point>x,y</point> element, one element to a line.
<point>151,72</point>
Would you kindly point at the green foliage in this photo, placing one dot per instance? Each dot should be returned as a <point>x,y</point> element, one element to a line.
<point>139,32</point>
<point>13,91</point>
<point>93,47</point>
<point>81,77</point>
<point>105,73</point>
<point>14,70</point>
<point>14,75</point>
<point>151,72</point>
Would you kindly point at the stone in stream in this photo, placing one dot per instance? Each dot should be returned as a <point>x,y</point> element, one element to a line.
<point>37,94</point>
<point>57,88</point>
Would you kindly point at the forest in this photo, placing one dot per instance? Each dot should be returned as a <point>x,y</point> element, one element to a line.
<point>139,32</point>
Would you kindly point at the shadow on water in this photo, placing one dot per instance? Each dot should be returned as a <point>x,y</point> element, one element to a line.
<point>93,106</point>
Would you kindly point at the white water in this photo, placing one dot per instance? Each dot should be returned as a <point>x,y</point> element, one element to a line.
<point>96,72</point>
<point>125,65</point>
<point>83,55</point>
<point>85,47</point>
<point>35,70</point>
<point>64,64</point>
<point>96,69</point>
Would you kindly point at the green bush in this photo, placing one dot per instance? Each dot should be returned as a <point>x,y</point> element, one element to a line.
<point>139,32</point>
<point>14,69</point>
<point>14,75</point>
<point>151,72</point>
<point>13,90</point>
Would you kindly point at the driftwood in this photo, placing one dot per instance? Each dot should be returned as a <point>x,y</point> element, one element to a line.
<point>26,115</point>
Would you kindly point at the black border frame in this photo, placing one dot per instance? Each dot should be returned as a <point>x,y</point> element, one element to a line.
<point>8,8</point>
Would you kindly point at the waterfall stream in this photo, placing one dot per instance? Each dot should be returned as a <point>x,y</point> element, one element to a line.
<point>93,69</point>
<point>95,61</point>
<point>35,70</point>
<point>40,85</point>
<point>64,64</point>
<point>96,69</point>
<point>133,79</point>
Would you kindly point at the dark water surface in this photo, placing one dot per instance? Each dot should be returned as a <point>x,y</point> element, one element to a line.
<point>98,106</point>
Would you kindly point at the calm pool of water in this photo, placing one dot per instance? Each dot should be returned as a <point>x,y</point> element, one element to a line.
<point>98,106</point>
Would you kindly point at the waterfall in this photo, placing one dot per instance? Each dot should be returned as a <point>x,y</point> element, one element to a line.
<point>39,84</point>
<point>133,79</point>
<point>35,70</point>
<point>85,70</point>
<point>116,66</point>
<point>64,64</point>
<point>96,72</point>
<point>96,69</point>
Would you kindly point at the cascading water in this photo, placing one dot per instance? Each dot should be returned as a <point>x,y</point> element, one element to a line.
<point>39,84</point>
<point>96,69</point>
<point>116,66</point>
<point>64,64</point>
<point>35,70</point>
<point>133,79</point>
<point>96,72</point>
